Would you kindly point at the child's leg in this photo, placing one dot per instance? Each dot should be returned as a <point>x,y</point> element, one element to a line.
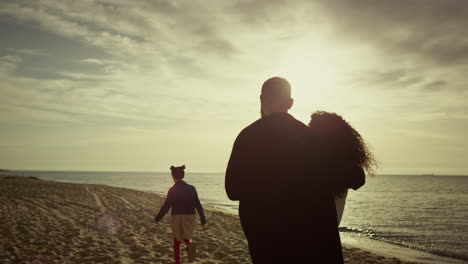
<point>176,251</point>
<point>191,249</point>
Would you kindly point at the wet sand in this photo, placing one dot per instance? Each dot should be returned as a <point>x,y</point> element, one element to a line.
<point>52,222</point>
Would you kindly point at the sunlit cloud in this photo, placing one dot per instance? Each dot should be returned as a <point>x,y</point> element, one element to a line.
<point>33,52</point>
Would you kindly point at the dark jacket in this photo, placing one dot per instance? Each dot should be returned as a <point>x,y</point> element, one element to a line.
<point>182,198</point>
<point>285,186</point>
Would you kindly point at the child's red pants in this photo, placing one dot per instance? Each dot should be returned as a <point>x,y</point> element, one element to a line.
<point>177,249</point>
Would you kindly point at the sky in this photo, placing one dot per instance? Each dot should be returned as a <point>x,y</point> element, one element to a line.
<point>142,85</point>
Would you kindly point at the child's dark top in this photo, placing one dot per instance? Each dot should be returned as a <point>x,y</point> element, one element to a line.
<point>183,199</point>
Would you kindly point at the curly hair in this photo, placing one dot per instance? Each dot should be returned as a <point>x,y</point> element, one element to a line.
<point>341,139</point>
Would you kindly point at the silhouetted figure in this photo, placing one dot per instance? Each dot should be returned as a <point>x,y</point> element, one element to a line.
<point>284,187</point>
<point>182,199</point>
<point>344,147</point>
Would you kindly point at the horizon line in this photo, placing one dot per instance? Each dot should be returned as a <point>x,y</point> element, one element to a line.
<point>216,172</point>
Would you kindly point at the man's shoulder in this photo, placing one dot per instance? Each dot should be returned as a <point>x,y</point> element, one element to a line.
<point>299,124</point>
<point>253,126</point>
<point>250,129</point>
<point>262,125</point>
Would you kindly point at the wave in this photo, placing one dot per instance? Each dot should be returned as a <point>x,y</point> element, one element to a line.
<point>363,232</point>
<point>395,240</point>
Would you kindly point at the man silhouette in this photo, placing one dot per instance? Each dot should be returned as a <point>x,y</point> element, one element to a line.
<point>277,174</point>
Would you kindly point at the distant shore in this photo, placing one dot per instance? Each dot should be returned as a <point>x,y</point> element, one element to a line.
<point>55,222</point>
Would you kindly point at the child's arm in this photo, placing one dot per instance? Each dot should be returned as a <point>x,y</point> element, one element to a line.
<point>164,209</point>
<point>199,208</point>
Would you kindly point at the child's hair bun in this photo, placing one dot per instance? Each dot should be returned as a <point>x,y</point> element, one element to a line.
<point>178,172</point>
<point>178,168</point>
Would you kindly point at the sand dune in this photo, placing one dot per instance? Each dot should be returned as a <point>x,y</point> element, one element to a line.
<point>51,222</point>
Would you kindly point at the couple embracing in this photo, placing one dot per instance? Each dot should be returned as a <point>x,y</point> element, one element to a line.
<point>291,180</point>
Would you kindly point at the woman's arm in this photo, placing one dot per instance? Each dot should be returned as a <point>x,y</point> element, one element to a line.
<point>340,201</point>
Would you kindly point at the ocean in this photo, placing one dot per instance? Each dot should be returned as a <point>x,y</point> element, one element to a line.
<point>424,213</point>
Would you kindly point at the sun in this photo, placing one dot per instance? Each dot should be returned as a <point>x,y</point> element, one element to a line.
<point>311,77</point>
<point>318,72</point>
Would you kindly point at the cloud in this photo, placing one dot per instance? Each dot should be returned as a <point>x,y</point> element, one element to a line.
<point>85,76</point>
<point>174,45</point>
<point>265,13</point>
<point>33,52</point>
<point>156,28</point>
<point>424,134</point>
<point>414,36</point>
<point>429,30</point>
<point>62,26</point>
<point>96,61</point>
<point>399,78</point>
<point>436,85</point>
<point>9,63</point>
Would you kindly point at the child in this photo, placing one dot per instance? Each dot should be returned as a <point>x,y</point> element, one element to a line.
<point>182,198</point>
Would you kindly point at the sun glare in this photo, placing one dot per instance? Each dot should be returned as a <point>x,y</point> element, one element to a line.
<point>310,71</point>
<point>319,72</point>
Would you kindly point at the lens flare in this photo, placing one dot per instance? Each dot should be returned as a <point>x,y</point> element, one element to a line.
<point>107,222</point>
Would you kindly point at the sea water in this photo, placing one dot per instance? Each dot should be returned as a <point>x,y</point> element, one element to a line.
<point>426,213</point>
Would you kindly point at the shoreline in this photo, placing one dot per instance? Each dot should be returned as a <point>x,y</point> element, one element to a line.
<point>118,216</point>
<point>390,250</point>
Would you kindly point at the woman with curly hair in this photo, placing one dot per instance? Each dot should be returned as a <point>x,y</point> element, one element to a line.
<point>345,148</point>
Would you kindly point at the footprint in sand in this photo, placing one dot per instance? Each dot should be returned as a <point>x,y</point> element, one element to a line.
<point>98,200</point>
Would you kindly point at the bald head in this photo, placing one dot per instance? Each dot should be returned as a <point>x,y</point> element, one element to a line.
<point>276,96</point>
<point>276,87</point>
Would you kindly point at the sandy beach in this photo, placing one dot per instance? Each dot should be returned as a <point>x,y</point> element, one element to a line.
<point>53,222</point>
